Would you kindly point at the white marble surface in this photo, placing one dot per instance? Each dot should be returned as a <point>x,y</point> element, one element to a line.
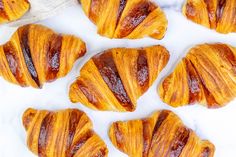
<point>216,125</point>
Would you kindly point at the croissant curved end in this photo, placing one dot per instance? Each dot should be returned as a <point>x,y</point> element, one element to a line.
<point>11,10</point>
<point>218,15</point>
<point>28,116</point>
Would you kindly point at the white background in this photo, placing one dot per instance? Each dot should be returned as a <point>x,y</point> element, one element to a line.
<point>216,125</point>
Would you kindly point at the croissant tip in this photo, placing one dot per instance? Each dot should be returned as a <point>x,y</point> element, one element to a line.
<point>27,117</point>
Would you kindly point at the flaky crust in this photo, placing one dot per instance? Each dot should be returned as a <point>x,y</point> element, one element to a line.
<point>65,133</point>
<point>116,78</point>
<point>36,54</point>
<point>161,135</point>
<point>11,10</point>
<point>215,14</point>
<point>126,18</point>
<point>206,76</point>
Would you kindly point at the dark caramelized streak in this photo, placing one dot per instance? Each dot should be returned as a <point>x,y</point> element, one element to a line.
<point>135,17</point>
<point>110,75</point>
<point>179,142</point>
<point>45,130</point>
<point>220,9</point>
<point>94,10</point>
<point>53,57</point>
<point>88,94</point>
<point>193,82</point>
<point>101,153</point>
<point>142,70</point>
<point>120,10</point>
<point>73,122</point>
<point>24,42</point>
<point>80,143</point>
<point>146,137</point>
<point>3,13</point>
<point>118,135</point>
<point>190,10</point>
<point>206,152</point>
<point>211,13</point>
<point>163,115</point>
<point>13,62</point>
<point>28,119</point>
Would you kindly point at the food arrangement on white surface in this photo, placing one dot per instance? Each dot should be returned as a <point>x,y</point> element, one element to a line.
<point>215,125</point>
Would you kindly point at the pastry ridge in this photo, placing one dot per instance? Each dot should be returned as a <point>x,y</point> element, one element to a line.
<point>162,134</point>
<point>11,10</point>
<point>206,76</point>
<point>64,133</point>
<point>36,54</point>
<point>116,78</point>
<point>214,14</point>
<point>126,18</point>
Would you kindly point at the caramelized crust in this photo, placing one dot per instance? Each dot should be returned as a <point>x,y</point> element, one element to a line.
<point>126,18</point>
<point>116,78</point>
<point>65,133</point>
<point>206,76</point>
<point>11,10</point>
<point>36,54</point>
<point>160,135</point>
<point>214,14</point>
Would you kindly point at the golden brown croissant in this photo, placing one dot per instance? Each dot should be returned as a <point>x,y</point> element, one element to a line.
<point>36,54</point>
<point>161,135</point>
<point>215,14</point>
<point>65,133</point>
<point>126,18</point>
<point>206,75</point>
<point>116,78</point>
<point>11,10</point>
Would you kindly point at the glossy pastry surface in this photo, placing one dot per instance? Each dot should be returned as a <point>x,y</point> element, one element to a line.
<point>11,10</point>
<point>36,54</point>
<point>116,78</point>
<point>64,133</point>
<point>206,75</point>
<point>126,18</point>
<point>161,135</point>
<point>214,14</point>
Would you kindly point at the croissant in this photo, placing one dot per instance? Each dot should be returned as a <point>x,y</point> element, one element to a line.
<point>161,135</point>
<point>35,54</point>
<point>65,133</point>
<point>11,10</point>
<point>114,79</point>
<point>126,18</point>
<point>214,14</point>
<point>206,76</point>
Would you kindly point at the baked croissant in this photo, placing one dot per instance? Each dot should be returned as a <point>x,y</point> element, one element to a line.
<point>35,54</point>
<point>11,10</point>
<point>126,18</point>
<point>214,14</point>
<point>161,135</point>
<point>114,79</point>
<point>65,133</point>
<point>206,76</point>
